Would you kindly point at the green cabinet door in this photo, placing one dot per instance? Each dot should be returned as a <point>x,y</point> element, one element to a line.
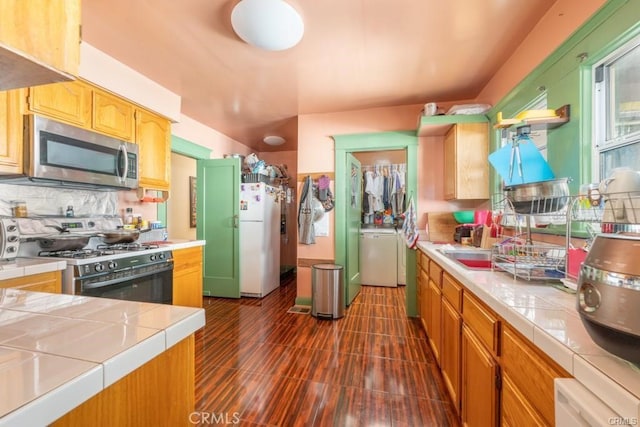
<point>217,210</point>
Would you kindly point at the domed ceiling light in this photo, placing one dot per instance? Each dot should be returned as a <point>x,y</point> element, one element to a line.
<point>274,140</point>
<point>267,24</point>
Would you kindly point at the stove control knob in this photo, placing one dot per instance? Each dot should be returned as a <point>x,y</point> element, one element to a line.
<point>161,256</point>
<point>589,298</point>
<point>153,257</point>
<point>12,228</point>
<point>12,239</point>
<point>112,265</point>
<point>98,267</point>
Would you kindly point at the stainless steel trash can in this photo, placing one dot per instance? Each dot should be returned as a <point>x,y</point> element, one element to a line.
<point>327,291</point>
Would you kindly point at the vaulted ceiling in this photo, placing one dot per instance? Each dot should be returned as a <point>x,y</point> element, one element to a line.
<point>355,54</point>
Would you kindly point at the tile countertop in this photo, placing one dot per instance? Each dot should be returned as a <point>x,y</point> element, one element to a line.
<point>547,316</point>
<point>57,351</point>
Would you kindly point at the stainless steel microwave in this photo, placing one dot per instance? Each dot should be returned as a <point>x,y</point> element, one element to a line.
<point>73,157</point>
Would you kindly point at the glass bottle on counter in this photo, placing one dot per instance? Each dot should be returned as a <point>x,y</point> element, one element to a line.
<point>19,208</point>
<point>70,213</point>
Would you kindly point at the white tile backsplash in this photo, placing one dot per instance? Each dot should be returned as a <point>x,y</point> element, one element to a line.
<point>54,201</point>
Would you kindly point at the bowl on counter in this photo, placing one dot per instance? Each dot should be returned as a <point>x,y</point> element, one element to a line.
<point>464,217</point>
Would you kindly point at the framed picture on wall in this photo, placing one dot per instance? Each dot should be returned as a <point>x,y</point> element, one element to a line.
<point>192,202</point>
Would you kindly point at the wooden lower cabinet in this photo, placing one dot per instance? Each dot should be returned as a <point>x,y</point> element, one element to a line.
<point>479,391</point>
<point>450,352</point>
<point>515,411</point>
<point>159,393</point>
<point>187,277</point>
<point>43,282</point>
<point>424,301</point>
<point>528,399</point>
<point>435,319</point>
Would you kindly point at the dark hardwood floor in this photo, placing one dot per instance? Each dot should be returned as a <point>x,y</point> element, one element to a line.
<point>258,365</point>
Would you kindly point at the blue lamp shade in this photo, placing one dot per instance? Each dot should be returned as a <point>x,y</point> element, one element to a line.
<point>267,24</point>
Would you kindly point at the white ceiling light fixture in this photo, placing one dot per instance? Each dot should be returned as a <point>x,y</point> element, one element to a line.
<point>274,140</point>
<point>267,24</point>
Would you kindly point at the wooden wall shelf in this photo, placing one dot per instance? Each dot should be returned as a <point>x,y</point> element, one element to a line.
<point>537,119</point>
<point>440,125</point>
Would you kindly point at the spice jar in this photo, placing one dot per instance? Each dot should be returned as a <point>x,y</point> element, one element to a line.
<point>19,208</point>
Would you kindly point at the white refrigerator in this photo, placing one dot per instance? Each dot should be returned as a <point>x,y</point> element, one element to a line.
<point>259,239</point>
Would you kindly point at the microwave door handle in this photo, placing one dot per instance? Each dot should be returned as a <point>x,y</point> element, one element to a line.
<point>123,152</point>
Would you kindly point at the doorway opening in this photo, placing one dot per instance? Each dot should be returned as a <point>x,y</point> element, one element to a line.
<point>346,234</point>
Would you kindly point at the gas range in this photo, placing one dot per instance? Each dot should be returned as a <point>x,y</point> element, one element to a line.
<point>102,253</point>
<point>136,271</point>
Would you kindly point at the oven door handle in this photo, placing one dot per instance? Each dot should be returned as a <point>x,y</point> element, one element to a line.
<point>126,279</point>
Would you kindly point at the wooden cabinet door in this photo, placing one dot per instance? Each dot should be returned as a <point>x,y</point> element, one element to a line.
<point>521,361</point>
<point>515,410</point>
<point>425,302</point>
<point>479,392</point>
<point>450,353</point>
<point>435,322</point>
<point>187,277</point>
<point>44,39</point>
<point>11,142</point>
<point>112,115</point>
<point>44,282</point>
<point>69,102</point>
<point>466,169</point>
<point>449,164</point>
<point>153,136</point>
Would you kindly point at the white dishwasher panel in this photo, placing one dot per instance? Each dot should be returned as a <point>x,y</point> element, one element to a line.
<point>576,406</point>
<point>379,258</point>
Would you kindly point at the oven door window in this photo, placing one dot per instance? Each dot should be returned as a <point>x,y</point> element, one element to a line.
<point>156,288</point>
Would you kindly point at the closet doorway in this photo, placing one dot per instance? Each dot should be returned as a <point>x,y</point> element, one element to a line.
<point>346,147</point>
<point>384,174</point>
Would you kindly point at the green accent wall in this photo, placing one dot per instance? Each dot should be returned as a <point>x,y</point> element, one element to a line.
<point>398,140</point>
<point>566,77</point>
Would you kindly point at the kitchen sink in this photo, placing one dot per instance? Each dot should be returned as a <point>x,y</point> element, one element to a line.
<point>476,259</point>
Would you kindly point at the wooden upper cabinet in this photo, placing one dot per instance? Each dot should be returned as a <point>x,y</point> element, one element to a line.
<point>153,135</point>
<point>11,143</point>
<point>69,102</point>
<point>466,168</point>
<point>112,115</point>
<point>39,42</point>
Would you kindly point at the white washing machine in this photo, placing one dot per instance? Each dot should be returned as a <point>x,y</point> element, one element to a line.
<point>379,257</point>
<point>402,259</point>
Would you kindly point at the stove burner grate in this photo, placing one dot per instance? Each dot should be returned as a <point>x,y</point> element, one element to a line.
<point>127,247</point>
<point>76,253</point>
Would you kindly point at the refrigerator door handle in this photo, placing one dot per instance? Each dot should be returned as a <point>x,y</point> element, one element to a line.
<point>235,221</point>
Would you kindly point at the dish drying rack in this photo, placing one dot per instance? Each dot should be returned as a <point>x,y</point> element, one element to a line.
<point>518,254</point>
